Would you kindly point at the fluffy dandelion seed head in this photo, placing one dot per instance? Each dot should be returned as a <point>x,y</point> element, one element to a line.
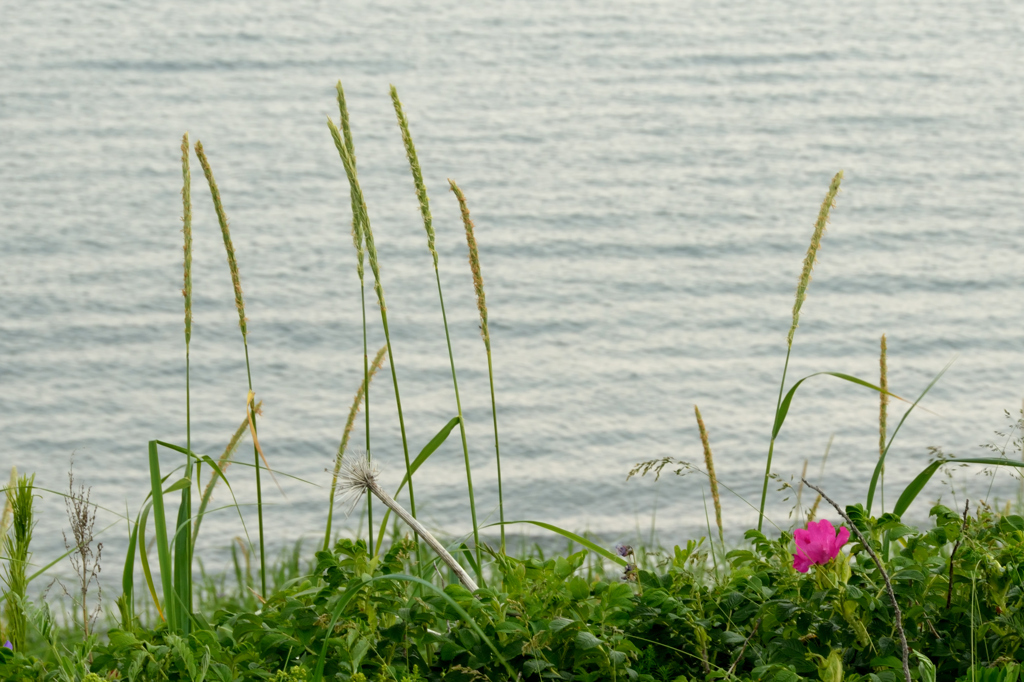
<point>357,475</point>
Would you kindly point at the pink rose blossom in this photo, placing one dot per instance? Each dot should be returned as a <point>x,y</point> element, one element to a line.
<point>818,544</point>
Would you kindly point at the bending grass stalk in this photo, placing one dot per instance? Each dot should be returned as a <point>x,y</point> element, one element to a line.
<point>359,475</point>
<point>881,569</point>
<point>709,462</point>
<point>378,360</point>
<point>801,295</point>
<point>883,404</point>
<point>371,250</point>
<point>421,195</point>
<point>240,305</point>
<point>183,542</point>
<point>481,304</point>
<point>223,462</point>
<point>357,242</point>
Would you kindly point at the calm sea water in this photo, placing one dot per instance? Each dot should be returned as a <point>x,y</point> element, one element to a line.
<point>644,178</point>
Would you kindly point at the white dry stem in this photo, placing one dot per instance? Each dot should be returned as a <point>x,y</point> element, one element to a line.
<point>359,474</point>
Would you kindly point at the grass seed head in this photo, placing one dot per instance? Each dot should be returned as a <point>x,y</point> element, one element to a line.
<point>812,252</point>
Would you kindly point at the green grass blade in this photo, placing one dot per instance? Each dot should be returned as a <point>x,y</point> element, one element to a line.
<point>911,492</point>
<point>425,454</point>
<point>128,574</point>
<point>780,417</point>
<point>881,460</point>
<point>160,529</point>
<point>593,547</point>
<point>144,561</point>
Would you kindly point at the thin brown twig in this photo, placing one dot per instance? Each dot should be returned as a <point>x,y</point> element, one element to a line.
<point>743,648</point>
<point>963,528</point>
<point>881,569</point>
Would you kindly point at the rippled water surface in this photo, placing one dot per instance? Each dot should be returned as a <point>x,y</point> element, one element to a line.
<point>644,178</point>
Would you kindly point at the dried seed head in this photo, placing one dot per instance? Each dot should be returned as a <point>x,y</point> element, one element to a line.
<point>417,173</point>
<point>358,474</point>
<point>474,263</point>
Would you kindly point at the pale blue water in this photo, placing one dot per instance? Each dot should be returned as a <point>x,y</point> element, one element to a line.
<point>644,178</point>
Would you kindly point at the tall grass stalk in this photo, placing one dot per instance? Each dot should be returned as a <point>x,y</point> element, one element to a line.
<point>801,295</point>
<point>378,360</point>
<point>359,204</point>
<point>709,462</point>
<point>15,548</point>
<point>421,195</point>
<point>481,304</point>
<point>182,540</point>
<point>357,242</point>
<point>240,305</point>
<point>883,404</point>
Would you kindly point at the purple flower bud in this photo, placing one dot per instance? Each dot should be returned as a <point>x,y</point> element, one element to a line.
<point>623,550</point>
<point>8,645</point>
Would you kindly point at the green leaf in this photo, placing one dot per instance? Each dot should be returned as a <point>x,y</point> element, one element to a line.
<point>597,549</point>
<point>881,458</point>
<point>780,415</point>
<point>586,640</point>
<point>917,485</point>
<point>558,624</point>
<point>425,454</point>
<point>160,528</point>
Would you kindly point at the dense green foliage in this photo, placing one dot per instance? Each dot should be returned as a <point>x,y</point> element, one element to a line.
<point>676,619</point>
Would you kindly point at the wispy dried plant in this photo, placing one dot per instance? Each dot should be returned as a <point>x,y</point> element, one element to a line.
<point>85,560</point>
<point>358,474</point>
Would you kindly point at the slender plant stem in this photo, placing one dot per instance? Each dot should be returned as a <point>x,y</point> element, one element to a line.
<point>366,400</point>
<point>881,569</point>
<point>497,450</point>
<point>883,399</point>
<point>771,445</point>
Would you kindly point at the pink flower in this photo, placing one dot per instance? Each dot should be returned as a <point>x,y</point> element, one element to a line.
<point>818,544</point>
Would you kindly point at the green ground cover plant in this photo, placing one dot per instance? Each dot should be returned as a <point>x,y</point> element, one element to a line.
<point>871,600</point>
